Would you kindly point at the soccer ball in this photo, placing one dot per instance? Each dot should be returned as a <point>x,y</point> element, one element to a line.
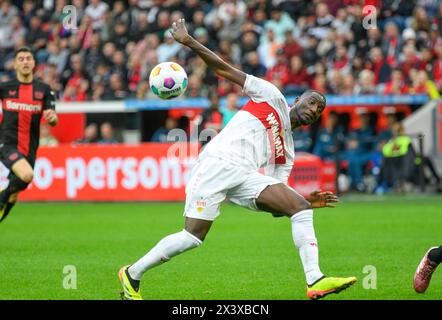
<point>168,80</point>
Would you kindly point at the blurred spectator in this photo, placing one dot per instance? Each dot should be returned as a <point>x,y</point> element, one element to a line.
<point>96,10</point>
<point>310,55</point>
<point>327,139</point>
<point>437,71</point>
<point>57,56</point>
<point>410,60</point>
<point>280,23</point>
<point>359,151</point>
<point>267,49</point>
<point>118,65</point>
<point>191,8</point>
<point>7,13</point>
<point>80,6</point>
<point>397,84</point>
<point>298,79</point>
<point>391,43</point>
<point>107,134</point>
<point>366,84</point>
<point>319,83</point>
<point>279,73</point>
<point>85,31</point>
<point>90,134</point>
<point>231,108</point>
<point>120,35</point>
<point>348,85</point>
<point>291,47</point>
<point>249,43</point>
<point>117,88</point>
<point>93,55</point>
<point>341,59</point>
<point>46,138</point>
<point>423,85</point>
<point>231,14</point>
<point>195,87</point>
<point>380,67</point>
<point>140,27</point>
<point>169,48</point>
<point>29,10</point>
<point>342,23</point>
<point>252,65</point>
<point>302,139</point>
<point>119,12</point>
<point>323,21</point>
<point>398,163</point>
<point>10,33</point>
<point>385,135</point>
<point>421,21</point>
<point>161,133</point>
<point>76,85</point>
<point>37,38</point>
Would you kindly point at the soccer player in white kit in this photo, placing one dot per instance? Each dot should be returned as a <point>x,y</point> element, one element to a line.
<point>258,136</point>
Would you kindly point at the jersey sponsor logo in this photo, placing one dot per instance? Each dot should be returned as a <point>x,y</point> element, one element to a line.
<point>18,106</point>
<point>271,121</point>
<point>276,135</point>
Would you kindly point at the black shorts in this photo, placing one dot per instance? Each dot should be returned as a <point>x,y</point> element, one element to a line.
<point>10,155</point>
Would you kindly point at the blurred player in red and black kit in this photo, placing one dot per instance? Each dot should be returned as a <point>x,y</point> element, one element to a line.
<point>24,102</point>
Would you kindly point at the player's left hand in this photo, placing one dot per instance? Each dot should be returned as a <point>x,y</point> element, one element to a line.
<point>321,199</point>
<point>50,116</point>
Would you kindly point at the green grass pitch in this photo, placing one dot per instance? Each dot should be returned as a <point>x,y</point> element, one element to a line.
<point>247,255</point>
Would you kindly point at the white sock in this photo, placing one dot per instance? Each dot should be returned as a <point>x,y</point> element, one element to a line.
<point>166,249</point>
<point>304,237</point>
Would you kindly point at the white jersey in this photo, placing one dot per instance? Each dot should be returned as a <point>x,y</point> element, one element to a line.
<point>259,135</point>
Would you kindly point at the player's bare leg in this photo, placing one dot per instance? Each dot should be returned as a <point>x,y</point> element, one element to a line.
<point>280,200</point>
<point>192,236</point>
<point>23,170</point>
<point>21,178</point>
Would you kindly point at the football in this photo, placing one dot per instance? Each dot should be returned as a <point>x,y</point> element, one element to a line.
<point>168,80</point>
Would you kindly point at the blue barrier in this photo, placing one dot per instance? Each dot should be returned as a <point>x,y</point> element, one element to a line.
<point>183,103</point>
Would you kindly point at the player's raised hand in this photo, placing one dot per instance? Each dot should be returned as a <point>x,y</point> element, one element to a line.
<point>321,199</point>
<point>179,31</point>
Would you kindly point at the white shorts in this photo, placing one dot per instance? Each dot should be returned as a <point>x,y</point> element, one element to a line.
<point>213,180</point>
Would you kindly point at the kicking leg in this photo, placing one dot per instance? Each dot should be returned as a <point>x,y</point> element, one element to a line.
<point>279,199</point>
<point>172,245</point>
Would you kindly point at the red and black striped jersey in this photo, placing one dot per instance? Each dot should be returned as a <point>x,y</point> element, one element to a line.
<point>23,105</point>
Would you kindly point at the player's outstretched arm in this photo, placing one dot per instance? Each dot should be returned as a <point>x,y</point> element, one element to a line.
<point>223,69</point>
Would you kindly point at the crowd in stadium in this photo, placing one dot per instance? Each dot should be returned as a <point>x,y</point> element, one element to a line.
<point>323,45</point>
<point>103,50</point>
